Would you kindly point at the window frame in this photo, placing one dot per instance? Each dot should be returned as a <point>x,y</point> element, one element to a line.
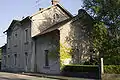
<point>26,32</point>
<point>8,42</point>
<point>26,58</point>
<point>46,58</point>
<point>15,59</point>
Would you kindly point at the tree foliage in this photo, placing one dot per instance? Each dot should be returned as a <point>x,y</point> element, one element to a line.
<point>0,54</point>
<point>106,34</point>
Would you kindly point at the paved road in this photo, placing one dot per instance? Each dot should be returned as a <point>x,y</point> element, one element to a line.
<point>12,76</point>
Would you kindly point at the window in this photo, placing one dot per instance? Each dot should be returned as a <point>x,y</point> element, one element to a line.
<point>15,61</point>
<point>26,35</point>
<point>55,17</point>
<point>8,56</point>
<point>8,61</point>
<point>26,58</point>
<point>5,59</point>
<point>9,43</point>
<point>46,58</point>
<point>15,34</point>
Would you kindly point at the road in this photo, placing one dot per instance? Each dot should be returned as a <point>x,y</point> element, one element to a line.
<point>12,76</point>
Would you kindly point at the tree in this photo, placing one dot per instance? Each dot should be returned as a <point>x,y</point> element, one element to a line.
<point>106,34</point>
<point>0,54</point>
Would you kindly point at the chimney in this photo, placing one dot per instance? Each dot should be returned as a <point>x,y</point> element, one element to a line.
<point>41,9</point>
<point>54,2</point>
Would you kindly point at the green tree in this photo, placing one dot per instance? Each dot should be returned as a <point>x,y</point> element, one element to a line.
<point>106,14</point>
<point>0,54</point>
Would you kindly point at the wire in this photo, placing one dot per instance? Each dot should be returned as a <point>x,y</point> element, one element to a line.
<point>37,1</point>
<point>2,35</point>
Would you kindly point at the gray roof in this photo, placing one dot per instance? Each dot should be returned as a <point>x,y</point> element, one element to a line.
<point>12,23</point>
<point>58,5</point>
<point>28,17</point>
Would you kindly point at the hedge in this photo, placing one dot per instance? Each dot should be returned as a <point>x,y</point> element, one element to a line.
<point>112,69</point>
<point>80,68</point>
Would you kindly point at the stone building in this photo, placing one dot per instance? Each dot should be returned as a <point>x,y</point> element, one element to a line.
<point>45,40</point>
<point>3,57</point>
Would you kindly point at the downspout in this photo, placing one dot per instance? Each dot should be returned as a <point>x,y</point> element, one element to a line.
<point>35,59</point>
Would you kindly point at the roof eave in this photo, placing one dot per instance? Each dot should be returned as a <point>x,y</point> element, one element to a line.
<point>66,11</point>
<point>14,21</point>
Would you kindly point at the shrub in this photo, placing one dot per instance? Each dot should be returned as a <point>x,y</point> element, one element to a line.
<point>112,69</point>
<point>92,62</point>
<point>80,68</point>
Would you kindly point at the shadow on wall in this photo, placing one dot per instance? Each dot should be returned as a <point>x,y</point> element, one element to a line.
<point>80,37</point>
<point>47,22</point>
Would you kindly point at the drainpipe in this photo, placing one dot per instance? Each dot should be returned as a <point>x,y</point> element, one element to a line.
<point>35,68</point>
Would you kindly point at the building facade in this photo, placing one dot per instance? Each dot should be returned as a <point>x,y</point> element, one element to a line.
<point>48,39</point>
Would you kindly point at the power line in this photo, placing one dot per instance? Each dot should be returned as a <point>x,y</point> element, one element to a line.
<point>2,35</point>
<point>37,3</point>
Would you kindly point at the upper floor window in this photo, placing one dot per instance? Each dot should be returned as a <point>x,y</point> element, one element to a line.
<point>56,17</point>
<point>26,35</point>
<point>15,39</point>
<point>8,42</point>
<point>15,34</point>
<point>8,56</point>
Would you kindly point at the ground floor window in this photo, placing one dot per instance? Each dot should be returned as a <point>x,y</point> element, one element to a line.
<point>8,60</point>
<point>5,61</point>
<point>15,61</point>
<point>46,58</point>
<point>26,58</point>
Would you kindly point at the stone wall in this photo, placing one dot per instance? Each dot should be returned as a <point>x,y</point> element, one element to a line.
<point>46,18</point>
<point>49,42</point>
<point>17,47</point>
<point>75,35</point>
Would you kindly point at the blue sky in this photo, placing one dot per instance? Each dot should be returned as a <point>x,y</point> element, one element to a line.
<point>16,9</point>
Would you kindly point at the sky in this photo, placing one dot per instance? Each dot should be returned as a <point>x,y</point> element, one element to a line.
<point>16,9</point>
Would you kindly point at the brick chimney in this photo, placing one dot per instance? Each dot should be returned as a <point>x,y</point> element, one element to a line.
<point>54,2</point>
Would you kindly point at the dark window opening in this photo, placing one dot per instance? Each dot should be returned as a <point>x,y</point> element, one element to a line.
<point>46,58</point>
<point>15,59</point>
<point>26,35</point>
<point>8,42</point>
<point>55,17</point>
<point>8,56</point>
<point>16,34</point>
<point>26,58</point>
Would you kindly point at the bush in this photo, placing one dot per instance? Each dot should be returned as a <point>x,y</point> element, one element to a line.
<point>92,62</point>
<point>112,69</point>
<point>112,60</point>
<point>80,68</point>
